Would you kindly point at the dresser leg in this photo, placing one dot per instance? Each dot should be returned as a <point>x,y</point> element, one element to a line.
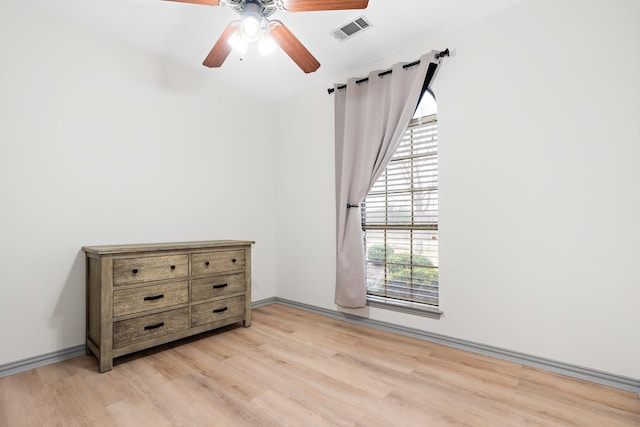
<point>105,364</point>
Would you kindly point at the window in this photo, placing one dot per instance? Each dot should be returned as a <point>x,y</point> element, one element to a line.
<point>400,221</point>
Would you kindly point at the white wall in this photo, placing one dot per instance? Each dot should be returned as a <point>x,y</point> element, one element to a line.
<point>540,185</point>
<point>100,144</point>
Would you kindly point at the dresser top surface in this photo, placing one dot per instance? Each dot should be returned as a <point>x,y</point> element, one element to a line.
<point>146,247</point>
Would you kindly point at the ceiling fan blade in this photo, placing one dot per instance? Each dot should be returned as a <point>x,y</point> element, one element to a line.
<point>204,2</point>
<point>314,5</point>
<point>293,47</point>
<point>222,48</point>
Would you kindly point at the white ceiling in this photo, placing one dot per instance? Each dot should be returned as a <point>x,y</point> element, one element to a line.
<point>185,33</point>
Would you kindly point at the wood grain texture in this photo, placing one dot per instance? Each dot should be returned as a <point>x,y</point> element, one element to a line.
<point>149,268</point>
<point>221,49</point>
<point>297,368</point>
<point>293,47</point>
<point>134,293</point>
<point>168,246</point>
<point>215,262</point>
<point>146,298</point>
<point>105,308</point>
<point>93,299</point>
<point>315,5</point>
<point>212,287</point>
<point>211,312</point>
<point>144,328</point>
<point>247,280</point>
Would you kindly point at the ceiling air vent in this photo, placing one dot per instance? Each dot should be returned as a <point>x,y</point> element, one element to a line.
<point>352,28</point>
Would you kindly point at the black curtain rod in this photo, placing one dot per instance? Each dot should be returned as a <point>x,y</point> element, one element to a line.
<point>384,73</point>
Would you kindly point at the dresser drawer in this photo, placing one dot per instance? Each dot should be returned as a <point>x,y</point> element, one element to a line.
<point>136,300</point>
<point>212,287</point>
<point>147,269</point>
<point>210,312</point>
<point>144,328</point>
<point>216,262</point>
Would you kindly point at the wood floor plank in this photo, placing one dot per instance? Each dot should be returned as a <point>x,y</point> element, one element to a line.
<point>226,409</point>
<point>287,411</point>
<point>137,411</point>
<point>295,368</point>
<point>551,399</point>
<point>20,386</point>
<point>76,404</point>
<point>338,368</point>
<point>471,380</point>
<point>39,409</point>
<point>232,380</point>
<point>309,343</point>
<point>111,388</point>
<point>52,373</point>
<point>549,383</point>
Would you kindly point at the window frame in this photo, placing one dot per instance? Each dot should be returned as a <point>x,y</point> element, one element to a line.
<point>396,304</point>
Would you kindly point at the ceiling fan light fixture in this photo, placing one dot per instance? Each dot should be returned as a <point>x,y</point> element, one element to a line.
<point>251,23</point>
<point>266,44</point>
<point>250,29</point>
<point>238,43</point>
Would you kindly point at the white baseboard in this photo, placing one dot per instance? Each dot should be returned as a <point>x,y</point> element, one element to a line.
<point>263,302</point>
<point>42,360</point>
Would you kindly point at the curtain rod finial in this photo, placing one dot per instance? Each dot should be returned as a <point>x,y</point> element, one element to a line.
<point>442,53</point>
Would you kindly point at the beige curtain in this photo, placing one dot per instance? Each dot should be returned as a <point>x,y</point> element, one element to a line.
<point>370,119</point>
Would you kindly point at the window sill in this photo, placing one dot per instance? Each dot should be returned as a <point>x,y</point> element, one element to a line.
<point>404,307</point>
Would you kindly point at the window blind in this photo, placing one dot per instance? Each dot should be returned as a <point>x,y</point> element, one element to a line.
<point>400,221</point>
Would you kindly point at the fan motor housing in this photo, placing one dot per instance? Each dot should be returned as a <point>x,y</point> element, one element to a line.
<point>266,7</point>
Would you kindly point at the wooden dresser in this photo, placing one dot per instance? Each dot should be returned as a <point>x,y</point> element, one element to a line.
<point>140,296</point>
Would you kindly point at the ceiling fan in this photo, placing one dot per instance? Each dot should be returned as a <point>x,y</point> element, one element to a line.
<point>254,26</point>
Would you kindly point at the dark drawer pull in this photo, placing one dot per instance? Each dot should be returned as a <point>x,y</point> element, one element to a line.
<point>173,267</point>
<point>153,298</point>
<point>224,285</point>
<point>206,263</point>
<point>233,260</point>
<point>156,326</point>
<point>134,271</point>
<point>220,310</point>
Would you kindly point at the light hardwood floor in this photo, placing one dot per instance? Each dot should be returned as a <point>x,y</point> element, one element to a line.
<point>296,368</point>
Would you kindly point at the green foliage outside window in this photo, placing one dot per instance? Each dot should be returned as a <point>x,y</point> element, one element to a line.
<point>376,254</point>
<point>407,268</point>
